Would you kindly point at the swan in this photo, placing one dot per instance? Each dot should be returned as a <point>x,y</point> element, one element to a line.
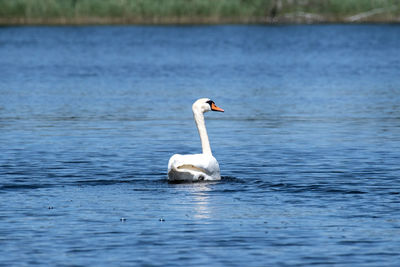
<point>197,167</point>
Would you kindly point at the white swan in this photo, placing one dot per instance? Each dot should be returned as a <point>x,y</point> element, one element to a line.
<point>196,167</point>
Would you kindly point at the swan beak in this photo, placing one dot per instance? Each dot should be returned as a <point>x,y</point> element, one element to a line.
<point>215,108</point>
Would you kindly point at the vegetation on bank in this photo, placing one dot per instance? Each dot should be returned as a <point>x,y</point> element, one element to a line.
<point>196,11</point>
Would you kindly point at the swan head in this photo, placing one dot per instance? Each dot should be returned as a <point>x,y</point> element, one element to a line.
<point>204,105</point>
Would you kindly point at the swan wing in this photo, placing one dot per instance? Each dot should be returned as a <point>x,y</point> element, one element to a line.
<point>194,167</point>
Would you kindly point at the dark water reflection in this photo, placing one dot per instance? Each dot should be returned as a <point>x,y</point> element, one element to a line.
<point>309,145</point>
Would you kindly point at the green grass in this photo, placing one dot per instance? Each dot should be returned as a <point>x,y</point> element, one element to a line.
<point>160,10</point>
<point>127,8</point>
<point>351,7</point>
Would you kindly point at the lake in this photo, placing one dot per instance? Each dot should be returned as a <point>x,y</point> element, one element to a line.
<point>308,145</point>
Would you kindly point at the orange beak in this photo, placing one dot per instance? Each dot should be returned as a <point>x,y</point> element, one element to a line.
<point>215,108</point>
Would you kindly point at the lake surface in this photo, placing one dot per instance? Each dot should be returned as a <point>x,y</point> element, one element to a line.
<point>309,145</point>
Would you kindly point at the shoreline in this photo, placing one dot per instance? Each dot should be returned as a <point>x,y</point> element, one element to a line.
<point>182,12</point>
<point>293,18</point>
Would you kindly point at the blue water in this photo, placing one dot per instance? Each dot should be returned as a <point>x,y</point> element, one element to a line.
<point>309,145</point>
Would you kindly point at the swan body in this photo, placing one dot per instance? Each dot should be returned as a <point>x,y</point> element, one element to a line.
<point>196,167</point>
<point>191,168</point>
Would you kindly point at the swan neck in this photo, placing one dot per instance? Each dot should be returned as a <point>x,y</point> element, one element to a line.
<point>201,127</point>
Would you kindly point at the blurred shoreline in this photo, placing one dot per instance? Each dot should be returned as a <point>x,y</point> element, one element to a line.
<point>301,18</point>
<point>164,12</point>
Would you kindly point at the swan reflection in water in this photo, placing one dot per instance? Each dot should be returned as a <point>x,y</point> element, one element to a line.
<point>195,200</point>
<point>201,202</point>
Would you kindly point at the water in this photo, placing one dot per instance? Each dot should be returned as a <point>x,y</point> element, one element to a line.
<point>309,145</point>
